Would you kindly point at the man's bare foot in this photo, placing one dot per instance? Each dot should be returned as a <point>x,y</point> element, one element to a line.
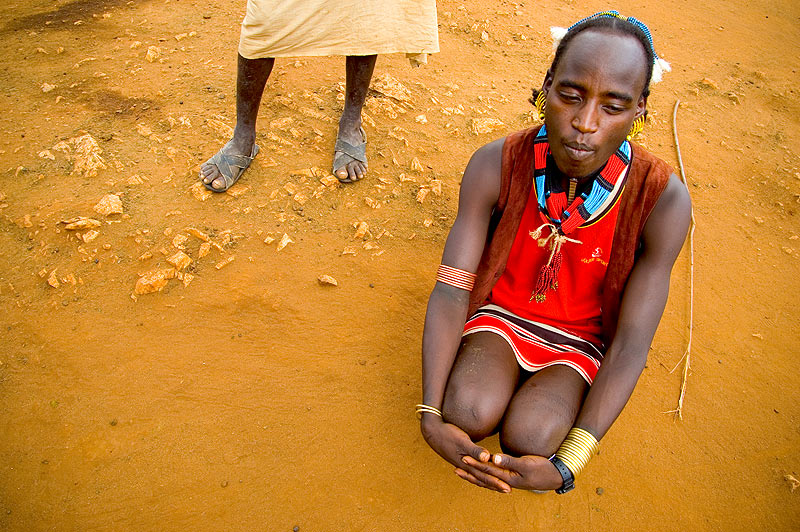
<point>350,160</point>
<point>210,173</point>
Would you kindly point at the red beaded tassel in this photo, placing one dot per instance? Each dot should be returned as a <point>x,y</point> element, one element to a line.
<point>548,278</point>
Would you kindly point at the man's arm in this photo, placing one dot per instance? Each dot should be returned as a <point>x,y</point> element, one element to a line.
<point>643,304</point>
<point>447,306</point>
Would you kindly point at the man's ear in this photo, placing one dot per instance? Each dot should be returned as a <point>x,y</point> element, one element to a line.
<point>548,81</point>
<point>641,107</point>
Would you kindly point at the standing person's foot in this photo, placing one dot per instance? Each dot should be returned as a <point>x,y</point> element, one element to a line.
<point>350,152</point>
<point>225,168</point>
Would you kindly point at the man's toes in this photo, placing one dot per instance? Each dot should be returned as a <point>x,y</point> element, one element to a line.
<point>218,183</point>
<point>361,170</point>
<point>209,173</point>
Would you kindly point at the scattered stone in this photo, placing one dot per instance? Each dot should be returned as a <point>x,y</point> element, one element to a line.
<point>793,482</point>
<point>709,83</point>
<point>436,187</point>
<point>349,250</point>
<point>108,205</point>
<point>47,154</point>
<point>416,166</point>
<point>224,483</point>
<point>47,87</point>
<point>427,222</point>
<point>361,230</point>
<point>113,422</point>
<point>224,262</point>
<point>153,281</point>
<point>187,278</point>
<point>143,130</point>
<point>482,126</point>
<point>285,241</point>
<point>197,233</point>
<point>90,235</point>
<point>599,491</point>
<point>327,280</point>
<point>52,280</point>
<point>180,260</point>
<point>484,36</point>
<point>237,190</point>
<point>329,181</point>
<point>391,87</point>
<point>372,202</point>
<point>422,194</point>
<point>88,160</point>
<point>153,53</point>
<point>146,255</point>
<point>179,242</point>
<point>205,248</point>
<point>269,240</point>
<point>421,119</point>
<point>222,129</point>
<point>200,192</point>
<point>80,223</point>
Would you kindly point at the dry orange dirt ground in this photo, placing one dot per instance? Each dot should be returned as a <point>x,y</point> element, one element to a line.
<point>251,397</point>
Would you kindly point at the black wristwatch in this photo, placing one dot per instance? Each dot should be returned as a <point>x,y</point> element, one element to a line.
<point>566,475</point>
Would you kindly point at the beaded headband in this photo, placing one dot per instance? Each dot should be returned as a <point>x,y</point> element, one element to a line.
<point>659,65</point>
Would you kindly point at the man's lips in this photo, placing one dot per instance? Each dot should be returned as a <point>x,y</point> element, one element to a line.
<point>577,151</point>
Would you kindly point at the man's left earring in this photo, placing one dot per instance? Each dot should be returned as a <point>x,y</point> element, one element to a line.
<point>636,127</point>
<point>540,103</point>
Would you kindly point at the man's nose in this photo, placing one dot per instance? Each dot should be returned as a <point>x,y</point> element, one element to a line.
<point>585,119</point>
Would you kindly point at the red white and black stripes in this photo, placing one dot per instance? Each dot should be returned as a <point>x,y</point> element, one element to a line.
<point>537,345</point>
<point>454,277</point>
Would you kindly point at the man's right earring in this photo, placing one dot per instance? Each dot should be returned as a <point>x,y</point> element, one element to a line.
<point>540,103</point>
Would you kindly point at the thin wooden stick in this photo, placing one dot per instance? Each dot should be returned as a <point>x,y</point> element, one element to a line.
<point>686,358</point>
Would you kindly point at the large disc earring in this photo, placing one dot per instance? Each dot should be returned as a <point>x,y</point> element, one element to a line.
<point>540,103</point>
<point>636,127</point>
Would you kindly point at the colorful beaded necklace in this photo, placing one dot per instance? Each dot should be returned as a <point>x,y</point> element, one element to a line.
<point>563,217</point>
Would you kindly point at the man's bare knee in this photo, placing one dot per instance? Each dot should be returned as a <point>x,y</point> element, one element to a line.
<point>471,413</point>
<point>540,439</point>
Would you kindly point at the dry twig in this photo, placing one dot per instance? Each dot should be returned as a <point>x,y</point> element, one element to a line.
<point>686,358</point>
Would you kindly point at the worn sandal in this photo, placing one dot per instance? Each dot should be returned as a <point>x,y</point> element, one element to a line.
<point>344,152</point>
<point>230,167</point>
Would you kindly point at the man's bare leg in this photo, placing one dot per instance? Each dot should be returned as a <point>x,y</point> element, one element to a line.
<point>537,420</point>
<point>481,384</point>
<point>359,70</point>
<point>251,78</point>
<point>542,411</point>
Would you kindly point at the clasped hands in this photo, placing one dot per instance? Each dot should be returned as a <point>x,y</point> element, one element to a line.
<point>500,472</point>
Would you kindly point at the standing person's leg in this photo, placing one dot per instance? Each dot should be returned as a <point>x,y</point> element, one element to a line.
<point>349,160</point>
<point>222,170</point>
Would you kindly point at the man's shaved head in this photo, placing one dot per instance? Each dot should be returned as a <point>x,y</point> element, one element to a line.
<point>611,25</point>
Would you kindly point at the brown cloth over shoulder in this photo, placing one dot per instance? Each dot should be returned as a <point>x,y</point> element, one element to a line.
<point>646,181</point>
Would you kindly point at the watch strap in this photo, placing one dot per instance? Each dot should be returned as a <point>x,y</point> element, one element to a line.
<point>568,479</point>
